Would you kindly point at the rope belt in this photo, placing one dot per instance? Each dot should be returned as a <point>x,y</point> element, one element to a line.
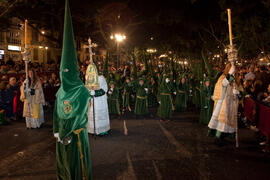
<point>167,94</point>
<point>77,132</point>
<point>181,92</point>
<point>143,98</point>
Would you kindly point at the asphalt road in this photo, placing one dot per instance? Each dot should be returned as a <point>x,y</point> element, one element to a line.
<point>156,150</point>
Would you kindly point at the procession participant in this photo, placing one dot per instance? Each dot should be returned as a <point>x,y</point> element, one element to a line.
<point>165,99</point>
<point>181,96</point>
<point>33,98</point>
<point>113,99</point>
<point>152,93</point>
<point>127,90</point>
<point>98,114</point>
<point>206,103</point>
<point>70,114</point>
<point>223,121</point>
<point>141,105</point>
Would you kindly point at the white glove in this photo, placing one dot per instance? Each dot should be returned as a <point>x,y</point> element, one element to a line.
<point>167,80</point>
<point>159,102</point>
<point>110,92</point>
<point>174,93</point>
<point>235,91</point>
<point>232,70</point>
<point>92,92</point>
<point>56,135</point>
<point>146,89</point>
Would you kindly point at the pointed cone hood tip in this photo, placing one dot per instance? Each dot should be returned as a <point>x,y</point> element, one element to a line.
<point>69,70</point>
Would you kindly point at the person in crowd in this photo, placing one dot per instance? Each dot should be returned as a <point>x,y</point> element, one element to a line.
<point>33,98</point>
<point>141,104</point>
<point>181,95</point>
<point>113,99</point>
<point>266,99</point>
<point>250,75</point>
<point>165,99</point>
<point>127,90</point>
<point>206,103</point>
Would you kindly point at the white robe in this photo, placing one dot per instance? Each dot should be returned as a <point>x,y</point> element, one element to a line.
<point>214,122</point>
<point>102,121</point>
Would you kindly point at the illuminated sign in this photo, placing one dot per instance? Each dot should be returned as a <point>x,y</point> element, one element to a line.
<point>2,52</point>
<point>14,48</point>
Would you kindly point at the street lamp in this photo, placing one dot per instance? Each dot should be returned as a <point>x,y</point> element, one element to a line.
<point>118,38</point>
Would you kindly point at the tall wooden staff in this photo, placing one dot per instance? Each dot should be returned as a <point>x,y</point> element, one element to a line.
<point>26,54</point>
<point>92,86</point>
<point>232,56</point>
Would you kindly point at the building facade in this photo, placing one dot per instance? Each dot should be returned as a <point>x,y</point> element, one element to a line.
<point>43,50</point>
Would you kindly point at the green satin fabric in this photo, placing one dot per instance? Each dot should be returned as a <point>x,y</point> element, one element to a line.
<point>70,112</point>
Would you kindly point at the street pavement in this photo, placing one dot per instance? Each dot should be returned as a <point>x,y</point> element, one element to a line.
<point>151,150</point>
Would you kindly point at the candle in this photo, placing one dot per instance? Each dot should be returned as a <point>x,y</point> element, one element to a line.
<point>230,26</point>
<point>25,33</point>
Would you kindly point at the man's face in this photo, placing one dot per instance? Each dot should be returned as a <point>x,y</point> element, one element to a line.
<point>112,86</point>
<point>141,82</point>
<point>207,83</point>
<point>183,80</point>
<point>12,82</point>
<point>127,81</point>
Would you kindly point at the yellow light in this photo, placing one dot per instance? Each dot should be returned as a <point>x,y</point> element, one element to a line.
<point>118,37</point>
<point>46,48</point>
<point>42,32</point>
<point>186,62</point>
<point>151,50</point>
<point>40,47</point>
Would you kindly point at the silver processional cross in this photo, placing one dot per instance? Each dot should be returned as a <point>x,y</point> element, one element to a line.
<point>90,46</point>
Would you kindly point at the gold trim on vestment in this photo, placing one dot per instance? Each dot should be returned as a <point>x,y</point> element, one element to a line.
<point>167,94</point>
<point>77,132</point>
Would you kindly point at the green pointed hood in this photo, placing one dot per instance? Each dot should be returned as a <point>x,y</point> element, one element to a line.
<point>69,70</point>
<point>72,98</point>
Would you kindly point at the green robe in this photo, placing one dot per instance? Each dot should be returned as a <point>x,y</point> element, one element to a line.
<point>126,96</point>
<point>152,95</point>
<point>206,105</point>
<point>165,98</point>
<point>113,101</point>
<point>70,114</point>
<point>181,98</point>
<point>141,105</point>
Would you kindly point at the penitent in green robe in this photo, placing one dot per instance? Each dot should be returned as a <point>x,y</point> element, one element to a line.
<point>152,95</point>
<point>181,98</point>
<point>113,101</point>
<point>141,105</point>
<point>206,105</point>
<point>165,98</point>
<point>126,95</point>
<point>70,114</point>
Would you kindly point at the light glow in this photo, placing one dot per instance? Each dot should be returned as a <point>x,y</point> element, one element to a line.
<point>118,37</point>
